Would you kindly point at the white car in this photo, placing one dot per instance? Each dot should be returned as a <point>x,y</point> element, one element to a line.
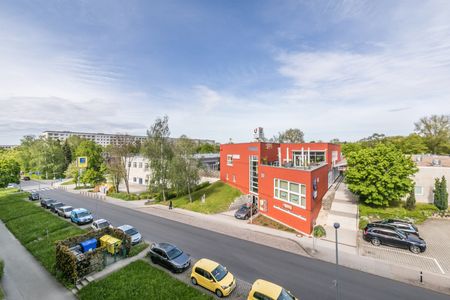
<point>129,230</point>
<point>64,211</point>
<point>100,224</point>
<point>12,185</point>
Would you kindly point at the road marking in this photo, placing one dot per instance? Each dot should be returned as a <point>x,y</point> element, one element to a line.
<point>439,266</point>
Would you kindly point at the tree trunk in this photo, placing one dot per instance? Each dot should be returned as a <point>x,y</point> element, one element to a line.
<point>189,191</point>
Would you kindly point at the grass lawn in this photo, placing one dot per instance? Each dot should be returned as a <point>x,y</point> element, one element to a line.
<point>69,182</point>
<point>136,249</point>
<point>265,221</point>
<point>36,228</point>
<point>219,196</point>
<point>418,215</point>
<point>139,280</point>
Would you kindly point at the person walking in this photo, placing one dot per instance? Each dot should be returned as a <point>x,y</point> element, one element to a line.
<point>170,204</point>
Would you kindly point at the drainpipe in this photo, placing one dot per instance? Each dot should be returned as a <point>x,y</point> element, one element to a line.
<point>303,157</point>
<point>309,157</point>
<point>287,154</point>
<point>279,156</point>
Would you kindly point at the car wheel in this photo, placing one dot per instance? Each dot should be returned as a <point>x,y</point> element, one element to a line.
<point>414,249</point>
<point>376,242</point>
<point>153,259</point>
<point>194,281</point>
<point>219,293</point>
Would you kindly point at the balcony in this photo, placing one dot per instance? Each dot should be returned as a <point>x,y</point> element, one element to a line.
<point>291,165</point>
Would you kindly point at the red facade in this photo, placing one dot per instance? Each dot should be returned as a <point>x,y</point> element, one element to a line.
<point>288,180</point>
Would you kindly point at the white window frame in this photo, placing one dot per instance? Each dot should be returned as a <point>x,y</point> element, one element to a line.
<point>230,160</point>
<point>277,187</point>
<point>421,190</point>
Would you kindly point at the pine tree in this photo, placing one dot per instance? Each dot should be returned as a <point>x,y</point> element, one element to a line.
<point>444,194</point>
<point>437,193</point>
<point>411,200</point>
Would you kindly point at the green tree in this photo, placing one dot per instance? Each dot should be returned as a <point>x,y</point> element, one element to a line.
<point>159,150</point>
<point>72,171</point>
<point>380,175</point>
<point>440,193</point>
<point>9,171</point>
<point>291,135</point>
<point>95,171</point>
<point>411,200</point>
<point>436,132</point>
<point>437,193</point>
<point>67,154</point>
<point>444,193</point>
<point>348,148</point>
<point>208,148</point>
<point>184,169</point>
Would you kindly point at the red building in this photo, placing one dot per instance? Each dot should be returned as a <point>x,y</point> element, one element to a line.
<point>288,181</point>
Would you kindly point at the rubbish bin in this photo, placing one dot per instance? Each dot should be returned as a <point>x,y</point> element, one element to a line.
<point>104,240</point>
<point>88,245</point>
<point>111,243</point>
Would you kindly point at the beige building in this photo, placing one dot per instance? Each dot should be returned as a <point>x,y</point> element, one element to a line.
<point>430,167</point>
<point>139,170</point>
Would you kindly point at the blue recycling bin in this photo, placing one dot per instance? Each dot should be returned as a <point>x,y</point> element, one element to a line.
<point>88,245</point>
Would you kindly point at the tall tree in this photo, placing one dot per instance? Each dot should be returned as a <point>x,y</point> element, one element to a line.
<point>411,200</point>
<point>67,154</point>
<point>291,135</point>
<point>440,193</point>
<point>444,193</point>
<point>380,175</point>
<point>9,171</point>
<point>96,168</point>
<point>159,150</point>
<point>184,171</point>
<point>436,131</point>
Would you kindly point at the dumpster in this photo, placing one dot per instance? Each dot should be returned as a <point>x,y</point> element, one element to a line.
<point>88,245</point>
<point>111,243</point>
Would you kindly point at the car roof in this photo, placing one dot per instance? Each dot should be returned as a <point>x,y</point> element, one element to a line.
<point>125,227</point>
<point>165,246</point>
<point>77,210</point>
<point>206,264</point>
<point>65,206</point>
<point>267,288</point>
<point>100,221</point>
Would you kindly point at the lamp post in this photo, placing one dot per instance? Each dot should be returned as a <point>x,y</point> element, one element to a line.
<point>336,227</point>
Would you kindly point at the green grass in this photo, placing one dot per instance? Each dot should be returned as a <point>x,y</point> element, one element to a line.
<point>69,182</point>
<point>139,280</point>
<point>219,196</point>
<point>36,228</point>
<point>418,215</point>
<point>135,250</point>
<point>124,196</point>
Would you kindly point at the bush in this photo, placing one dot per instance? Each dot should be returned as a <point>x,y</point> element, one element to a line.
<point>2,266</point>
<point>319,231</point>
<point>202,185</point>
<point>135,250</point>
<point>411,200</point>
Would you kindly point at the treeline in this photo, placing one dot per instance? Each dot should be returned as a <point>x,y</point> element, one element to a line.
<point>431,136</point>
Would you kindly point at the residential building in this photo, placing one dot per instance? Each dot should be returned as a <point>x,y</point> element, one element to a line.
<point>104,139</point>
<point>8,147</point>
<point>139,170</point>
<point>430,167</point>
<point>287,181</point>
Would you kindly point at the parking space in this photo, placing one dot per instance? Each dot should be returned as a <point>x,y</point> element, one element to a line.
<point>435,259</point>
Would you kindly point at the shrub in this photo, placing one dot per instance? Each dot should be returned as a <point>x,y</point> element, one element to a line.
<point>411,200</point>
<point>319,231</point>
<point>2,265</point>
<point>202,185</point>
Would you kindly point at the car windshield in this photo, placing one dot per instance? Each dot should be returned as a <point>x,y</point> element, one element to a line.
<point>68,209</point>
<point>83,214</point>
<point>219,273</point>
<point>174,253</point>
<point>103,224</point>
<point>131,231</point>
<point>285,295</point>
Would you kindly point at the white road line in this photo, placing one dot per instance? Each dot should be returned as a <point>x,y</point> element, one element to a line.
<point>439,266</point>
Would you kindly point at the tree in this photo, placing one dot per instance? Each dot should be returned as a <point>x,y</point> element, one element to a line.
<point>381,175</point>
<point>159,150</point>
<point>208,148</point>
<point>95,171</point>
<point>440,193</point>
<point>348,148</point>
<point>184,171</point>
<point>437,193</point>
<point>72,171</point>
<point>411,200</point>
<point>436,132</point>
<point>291,135</point>
<point>67,154</point>
<point>373,140</point>
<point>9,171</point>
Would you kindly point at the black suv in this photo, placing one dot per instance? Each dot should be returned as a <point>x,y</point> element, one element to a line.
<point>45,203</point>
<point>34,196</point>
<point>404,226</point>
<point>170,257</point>
<point>391,236</point>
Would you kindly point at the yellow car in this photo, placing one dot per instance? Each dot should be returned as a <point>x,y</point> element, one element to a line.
<point>265,290</point>
<point>213,277</point>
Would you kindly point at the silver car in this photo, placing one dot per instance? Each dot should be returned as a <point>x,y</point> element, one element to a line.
<point>64,211</point>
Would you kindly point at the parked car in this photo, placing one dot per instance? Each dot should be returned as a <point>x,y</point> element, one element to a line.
<point>244,211</point>
<point>131,232</point>
<point>81,216</point>
<point>100,224</point>
<point>405,226</point>
<point>262,289</point>
<point>64,211</point>
<point>46,202</point>
<point>213,276</point>
<point>12,186</point>
<point>391,236</point>
<point>26,178</point>
<point>55,205</point>
<point>34,196</point>
<point>170,257</point>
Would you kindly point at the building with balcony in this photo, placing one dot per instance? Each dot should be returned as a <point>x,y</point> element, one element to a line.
<point>287,181</point>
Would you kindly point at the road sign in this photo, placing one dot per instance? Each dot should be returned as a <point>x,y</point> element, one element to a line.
<point>82,162</point>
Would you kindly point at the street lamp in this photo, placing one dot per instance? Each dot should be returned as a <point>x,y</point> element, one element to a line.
<point>336,227</point>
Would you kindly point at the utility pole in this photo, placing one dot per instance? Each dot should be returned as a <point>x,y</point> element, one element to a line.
<point>336,227</point>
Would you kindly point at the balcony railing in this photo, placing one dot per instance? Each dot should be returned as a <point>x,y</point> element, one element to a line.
<point>291,165</point>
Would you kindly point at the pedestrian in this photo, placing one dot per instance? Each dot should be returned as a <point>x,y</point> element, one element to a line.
<point>170,204</point>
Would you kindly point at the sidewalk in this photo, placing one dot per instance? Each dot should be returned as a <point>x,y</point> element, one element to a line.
<point>24,277</point>
<point>302,245</point>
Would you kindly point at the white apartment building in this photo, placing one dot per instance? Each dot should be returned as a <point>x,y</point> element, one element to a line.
<point>103,139</point>
<point>430,167</point>
<point>139,170</point>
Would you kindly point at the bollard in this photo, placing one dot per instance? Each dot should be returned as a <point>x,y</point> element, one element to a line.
<point>421,277</point>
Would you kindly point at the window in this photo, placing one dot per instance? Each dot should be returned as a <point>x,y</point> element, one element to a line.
<point>135,165</point>
<point>418,190</point>
<point>229,160</point>
<point>129,164</point>
<point>140,165</point>
<point>317,156</point>
<point>134,179</point>
<point>146,166</point>
<point>294,193</point>
<point>260,296</point>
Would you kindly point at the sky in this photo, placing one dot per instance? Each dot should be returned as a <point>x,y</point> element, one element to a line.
<point>219,69</point>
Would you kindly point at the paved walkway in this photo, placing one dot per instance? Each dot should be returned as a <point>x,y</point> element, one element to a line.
<point>25,278</point>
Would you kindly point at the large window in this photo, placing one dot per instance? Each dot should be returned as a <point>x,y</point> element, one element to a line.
<point>253,174</point>
<point>294,193</point>
<point>317,156</point>
<point>229,160</point>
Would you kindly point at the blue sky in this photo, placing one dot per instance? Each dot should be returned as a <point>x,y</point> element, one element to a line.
<point>218,69</point>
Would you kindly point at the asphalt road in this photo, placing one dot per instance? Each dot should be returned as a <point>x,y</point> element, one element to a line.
<point>307,278</point>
